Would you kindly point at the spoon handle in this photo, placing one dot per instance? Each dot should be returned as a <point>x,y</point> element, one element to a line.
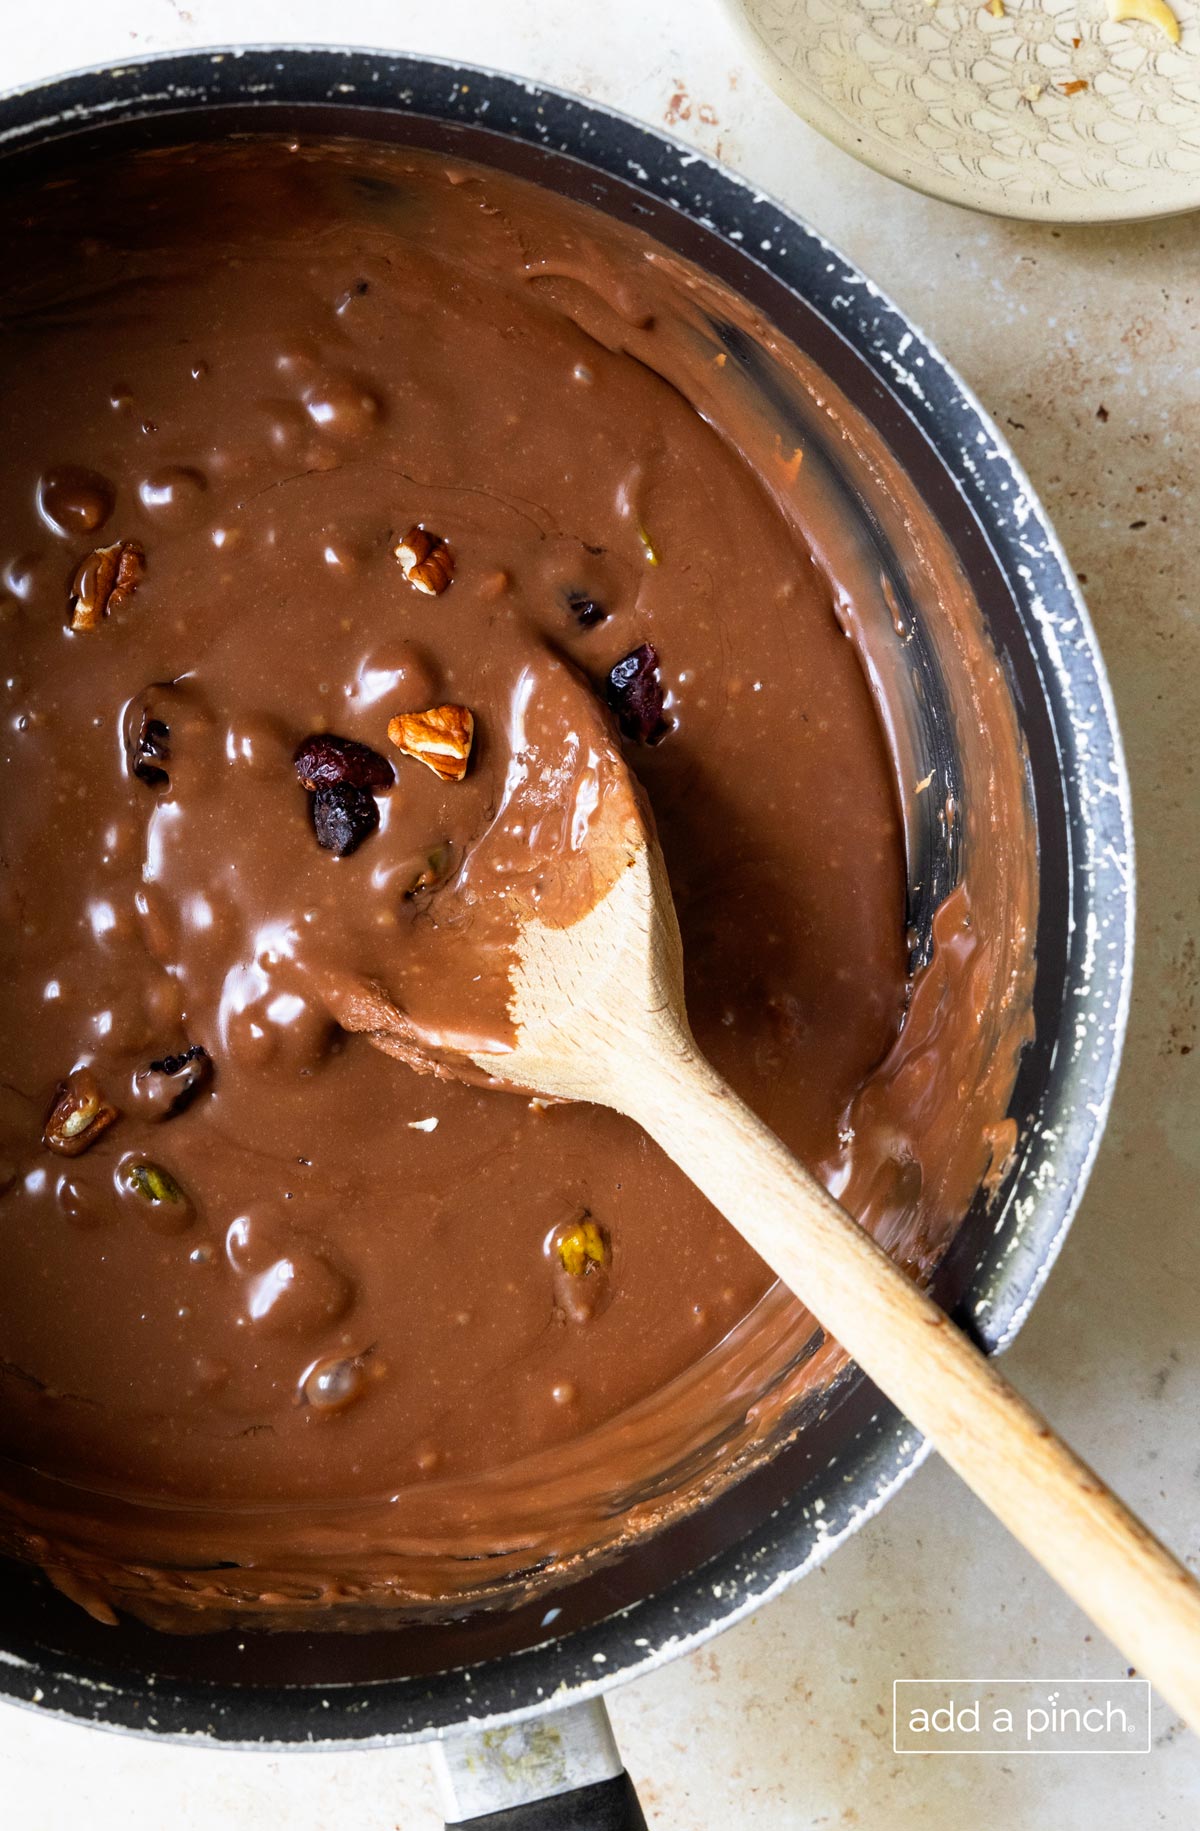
<point>1079,1531</point>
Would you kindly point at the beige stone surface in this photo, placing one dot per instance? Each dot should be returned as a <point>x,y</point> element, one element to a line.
<point>1084,346</point>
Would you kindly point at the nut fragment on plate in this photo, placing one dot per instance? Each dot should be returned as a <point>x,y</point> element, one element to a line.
<point>427,561</point>
<point>104,580</point>
<point>1146,12</point>
<point>79,1114</point>
<point>441,738</point>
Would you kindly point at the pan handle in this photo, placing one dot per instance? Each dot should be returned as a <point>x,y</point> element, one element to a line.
<point>558,1772</point>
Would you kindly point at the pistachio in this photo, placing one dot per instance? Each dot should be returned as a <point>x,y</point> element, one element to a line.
<point>580,1247</point>
<point>164,1204</point>
<point>582,1259</point>
<point>153,1183</point>
<point>436,867</point>
<point>653,557</point>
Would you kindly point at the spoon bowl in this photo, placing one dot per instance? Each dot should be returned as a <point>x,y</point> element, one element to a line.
<point>596,1008</point>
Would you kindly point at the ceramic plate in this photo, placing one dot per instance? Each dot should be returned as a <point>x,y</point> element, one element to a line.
<point>1049,110</point>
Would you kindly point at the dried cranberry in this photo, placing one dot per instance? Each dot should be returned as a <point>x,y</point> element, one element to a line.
<point>635,694</point>
<point>585,610</point>
<point>153,749</point>
<point>343,815</point>
<point>323,760</point>
<point>175,1064</point>
<point>165,1087</point>
<point>147,746</point>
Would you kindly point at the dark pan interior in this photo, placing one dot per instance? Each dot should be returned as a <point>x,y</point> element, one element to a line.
<point>342,1688</point>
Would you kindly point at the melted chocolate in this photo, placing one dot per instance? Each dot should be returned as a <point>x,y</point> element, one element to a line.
<point>343,1370</point>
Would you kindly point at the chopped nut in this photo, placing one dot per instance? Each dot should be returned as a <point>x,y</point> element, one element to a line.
<point>1075,88</point>
<point>153,1183</point>
<point>436,867</point>
<point>789,464</point>
<point>441,738</point>
<point>427,561</point>
<point>581,1247</point>
<point>582,1257</point>
<point>648,547</point>
<point>79,1114</point>
<point>1148,12</point>
<point>104,580</point>
<point>163,1203</point>
<point>996,8</point>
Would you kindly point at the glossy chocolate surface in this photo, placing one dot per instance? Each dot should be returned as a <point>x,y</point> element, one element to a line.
<point>347,1369</point>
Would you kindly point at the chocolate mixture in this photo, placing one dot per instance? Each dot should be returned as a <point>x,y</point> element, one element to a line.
<point>314,461</point>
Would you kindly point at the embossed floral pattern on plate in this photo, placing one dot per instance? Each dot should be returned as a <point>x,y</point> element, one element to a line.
<point>975,108</point>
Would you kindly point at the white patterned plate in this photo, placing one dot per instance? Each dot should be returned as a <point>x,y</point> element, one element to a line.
<point>1051,111</point>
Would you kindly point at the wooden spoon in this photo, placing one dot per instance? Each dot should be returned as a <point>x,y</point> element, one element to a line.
<point>598,1011</point>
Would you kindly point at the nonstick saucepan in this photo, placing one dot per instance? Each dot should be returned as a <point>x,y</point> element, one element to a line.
<point>516,1696</point>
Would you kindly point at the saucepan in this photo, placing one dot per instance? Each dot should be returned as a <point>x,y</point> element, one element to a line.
<point>515,1695</point>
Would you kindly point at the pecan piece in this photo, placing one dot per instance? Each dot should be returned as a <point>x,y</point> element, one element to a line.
<point>426,559</point>
<point>103,582</point>
<point>441,738</point>
<point>79,1114</point>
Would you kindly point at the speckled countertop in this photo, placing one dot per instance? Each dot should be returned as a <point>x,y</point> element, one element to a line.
<point>1083,345</point>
